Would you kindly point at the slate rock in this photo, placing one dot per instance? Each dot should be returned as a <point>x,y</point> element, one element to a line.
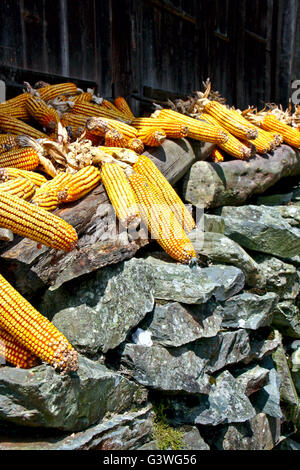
<point>174,324</point>
<point>193,285</point>
<point>247,310</point>
<point>232,183</point>
<point>260,348</point>
<point>252,378</point>
<point>219,249</point>
<point>287,318</point>
<point>97,312</point>
<point>41,397</point>
<point>262,229</point>
<point>192,439</point>
<point>288,392</point>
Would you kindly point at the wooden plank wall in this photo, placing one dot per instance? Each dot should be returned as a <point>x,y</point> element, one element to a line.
<point>133,47</point>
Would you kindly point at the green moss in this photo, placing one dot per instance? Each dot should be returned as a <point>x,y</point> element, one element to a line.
<point>165,436</point>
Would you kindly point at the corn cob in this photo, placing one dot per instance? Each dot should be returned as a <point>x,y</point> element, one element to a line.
<point>11,351</point>
<point>149,170</point>
<point>233,146</point>
<point>49,92</point>
<point>107,104</point>
<point>70,119</point>
<point>24,158</point>
<point>197,130</point>
<point>33,331</point>
<point>231,120</point>
<point>152,137</point>
<point>16,107</point>
<point>45,115</point>
<point>32,222</point>
<point>161,221</point>
<point>47,200</point>
<point>101,125</point>
<point>19,187</point>
<point>124,107</point>
<point>290,135</point>
<point>114,138</point>
<point>8,143</point>
<point>58,182</point>
<point>17,127</point>
<point>136,145</point>
<point>91,109</point>
<point>11,173</point>
<point>217,156</point>
<point>120,193</point>
<point>81,183</point>
<point>85,96</point>
<point>172,129</point>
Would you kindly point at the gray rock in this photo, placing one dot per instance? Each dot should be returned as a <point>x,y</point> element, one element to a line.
<point>287,318</point>
<point>213,223</point>
<point>40,397</point>
<point>279,276</point>
<point>161,369</point>
<point>247,310</point>
<point>259,348</point>
<point>181,283</point>
<point>232,183</point>
<point>252,378</point>
<point>226,403</point>
<point>192,439</point>
<point>121,432</point>
<point>97,312</point>
<point>267,399</point>
<point>288,392</point>
<point>256,434</point>
<point>262,229</point>
<point>291,213</point>
<point>174,324</point>
<point>219,249</point>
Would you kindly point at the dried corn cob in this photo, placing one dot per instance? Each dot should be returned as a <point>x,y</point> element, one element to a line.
<point>161,221</point>
<point>47,200</point>
<point>81,183</point>
<point>16,107</point>
<point>290,135</point>
<point>49,92</point>
<point>85,96</point>
<point>136,145</point>
<point>10,173</point>
<point>172,129</point>
<point>91,109</point>
<point>120,193</point>
<point>32,222</point>
<point>114,138</point>
<point>11,351</point>
<point>45,115</point>
<point>19,187</point>
<point>197,130</point>
<point>101,125</point>
<point>70,119</point>
<point>124,107</point>
<point>24,158</point>
<point>33,331</point>
<point>17,127</point>
<point>217,156</point>
<point>58,182</point>
<point>152,137</point>
<point>149,170</point>
<point>233,146</point>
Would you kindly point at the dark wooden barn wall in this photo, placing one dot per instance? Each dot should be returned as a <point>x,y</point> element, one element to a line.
<point>249,48</point>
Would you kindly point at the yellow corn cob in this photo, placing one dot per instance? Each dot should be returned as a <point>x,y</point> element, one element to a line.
<point>114,138</point>
<point>81,183</point>
<point>231,120</point>
<point>233,146</point>
<point>172,129</point>
<point>47,200</point>
<point>153,175</point>
<point>32,222</point>
<point>91,109</point>
<point>124,107</point>
<point>120,193</point>
<point>161,221</point>
<point>136,145</point>
<point>58,182</point>
<point>217,156</point>
<point>16,106</point>
<point>101,125</point>
<point>85,96</point>
<point>49,92</point>
<point>10,173</point>
<point>17,127</point>
<point>152,137</point>
<point>70,119</point>
<point>290,135</point>
<point>107,104</point>
<point>262,143</point>
<point>197,130</point>
<point>20,187</point>
<point>11,351</point>
<point>45,115</point>
<point>33,331</point>
<point>24,158</point>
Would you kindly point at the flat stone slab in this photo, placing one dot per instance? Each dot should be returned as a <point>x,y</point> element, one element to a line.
<point>230,183</point>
